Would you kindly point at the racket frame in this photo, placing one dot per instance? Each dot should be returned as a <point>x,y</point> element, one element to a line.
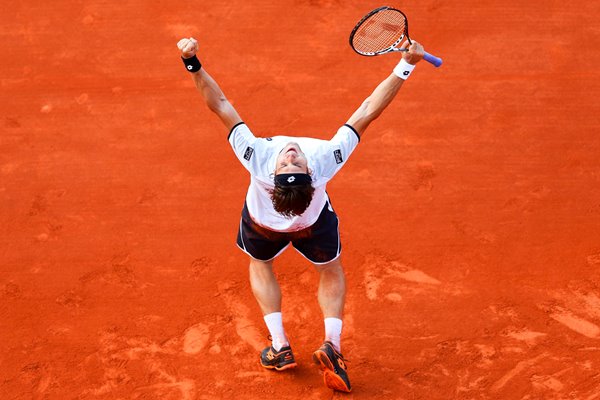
<point>393,46</point>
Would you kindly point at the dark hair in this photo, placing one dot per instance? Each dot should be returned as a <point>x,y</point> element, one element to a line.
<point>292,200</point>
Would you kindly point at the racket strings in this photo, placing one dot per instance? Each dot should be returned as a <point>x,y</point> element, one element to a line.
<point>379,32</point>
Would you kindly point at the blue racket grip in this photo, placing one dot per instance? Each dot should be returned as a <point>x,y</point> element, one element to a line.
<point>430,58</point>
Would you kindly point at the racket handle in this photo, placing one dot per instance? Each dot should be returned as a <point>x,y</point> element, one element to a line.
<point>430,58</point>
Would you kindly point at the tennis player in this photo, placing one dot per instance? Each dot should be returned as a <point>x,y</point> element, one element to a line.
<point>287,204</point>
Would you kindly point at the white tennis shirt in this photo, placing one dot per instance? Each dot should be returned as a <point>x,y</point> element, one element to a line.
<point>259,156</point>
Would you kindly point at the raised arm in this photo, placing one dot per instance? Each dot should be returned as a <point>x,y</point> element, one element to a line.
<point>210,90</point>
<point>385,92</point>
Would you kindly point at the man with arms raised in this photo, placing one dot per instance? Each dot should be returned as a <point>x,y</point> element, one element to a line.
<point>287,204</point>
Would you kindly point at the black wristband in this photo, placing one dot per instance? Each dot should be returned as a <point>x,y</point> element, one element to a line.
<point>192,64</point>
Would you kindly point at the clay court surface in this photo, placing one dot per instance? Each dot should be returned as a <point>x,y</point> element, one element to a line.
<point>470,212</point>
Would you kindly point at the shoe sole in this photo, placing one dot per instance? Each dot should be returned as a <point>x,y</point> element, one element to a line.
<point>331,379</point>
<point>283,368</point>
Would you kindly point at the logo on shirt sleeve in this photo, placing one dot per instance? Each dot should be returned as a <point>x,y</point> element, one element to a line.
<point>248,153</point>
<point>338,156</point>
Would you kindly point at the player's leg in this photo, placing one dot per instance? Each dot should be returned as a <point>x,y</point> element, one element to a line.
<point>265,286</point>
<point>321,245</point>
<point>267,292</point>
<point>332,295</point>
<point>263,247</point>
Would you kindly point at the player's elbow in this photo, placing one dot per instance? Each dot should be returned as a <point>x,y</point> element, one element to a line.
<point>365,114</point>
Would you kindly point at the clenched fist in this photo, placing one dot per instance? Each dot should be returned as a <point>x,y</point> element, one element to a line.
<point>188,47</point>
<point>414,54</point>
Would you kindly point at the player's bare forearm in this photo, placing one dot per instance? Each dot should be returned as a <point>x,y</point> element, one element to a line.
<point>208,88</point>
<point>215,99</point>
<point>385,92</point>
<point>374,105</point>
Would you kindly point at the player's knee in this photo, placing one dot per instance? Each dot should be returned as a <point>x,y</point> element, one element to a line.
<point>332,266</point>
<point>259,265</point>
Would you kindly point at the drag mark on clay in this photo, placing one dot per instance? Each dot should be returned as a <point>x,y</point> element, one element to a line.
<point>116,352</point>
<point>546,382</point>
<point>415,275</point>
<point>590,302</point>
<point>520,367</point>
<point>394,297</point>
<point>371,283</point>
<point>577,324</point>
<point>594,259</point>
<point>244,327</point>
<point>380,272</point>
<point>195,339</point>
<point>527,336</point>
<point>187,387</point>
<point>37,376</point>
<point>44,383</point>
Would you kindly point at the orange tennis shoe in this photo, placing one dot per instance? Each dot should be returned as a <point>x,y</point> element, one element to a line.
<point>333,365</point>
<point>278,360</point>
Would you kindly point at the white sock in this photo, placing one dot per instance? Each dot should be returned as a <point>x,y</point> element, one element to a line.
<point>275,325</point>
<point>333,332</point>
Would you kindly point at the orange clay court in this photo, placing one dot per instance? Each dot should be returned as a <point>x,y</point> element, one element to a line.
<point>470,212</point>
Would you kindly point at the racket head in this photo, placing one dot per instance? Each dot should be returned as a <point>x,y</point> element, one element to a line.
<point>379,32</point>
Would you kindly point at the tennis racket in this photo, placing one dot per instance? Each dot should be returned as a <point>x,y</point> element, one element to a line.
<point>381,31</point>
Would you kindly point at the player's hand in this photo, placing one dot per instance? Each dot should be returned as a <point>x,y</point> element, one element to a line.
<point>188,47</point>
<point>414,54</point>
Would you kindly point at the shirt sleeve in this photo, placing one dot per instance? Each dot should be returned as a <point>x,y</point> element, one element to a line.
<point>338,151</point>
<point>248,148</point>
